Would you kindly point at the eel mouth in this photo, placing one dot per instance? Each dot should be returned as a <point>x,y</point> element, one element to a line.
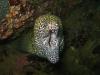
<point>51,39</point>
<point>53,47</point>
<point>50,33</point>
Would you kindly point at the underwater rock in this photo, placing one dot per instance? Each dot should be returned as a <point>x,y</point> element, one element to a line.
<point>15,20</point>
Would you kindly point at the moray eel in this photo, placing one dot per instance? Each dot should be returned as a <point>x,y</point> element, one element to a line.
<point>45,39</point>
<point>48,37</point>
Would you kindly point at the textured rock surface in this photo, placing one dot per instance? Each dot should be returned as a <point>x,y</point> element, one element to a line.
<point>14,21</point>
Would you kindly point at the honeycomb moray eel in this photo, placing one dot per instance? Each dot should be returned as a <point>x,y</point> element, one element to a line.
<point>45,39</point>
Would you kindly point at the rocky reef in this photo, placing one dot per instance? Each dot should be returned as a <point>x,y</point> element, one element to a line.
<point>81,28</point>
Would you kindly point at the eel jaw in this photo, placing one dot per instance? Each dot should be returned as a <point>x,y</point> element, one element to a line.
<point>52,44</point>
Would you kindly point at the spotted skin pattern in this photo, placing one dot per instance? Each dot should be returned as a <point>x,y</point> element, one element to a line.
<point>48,37</point>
